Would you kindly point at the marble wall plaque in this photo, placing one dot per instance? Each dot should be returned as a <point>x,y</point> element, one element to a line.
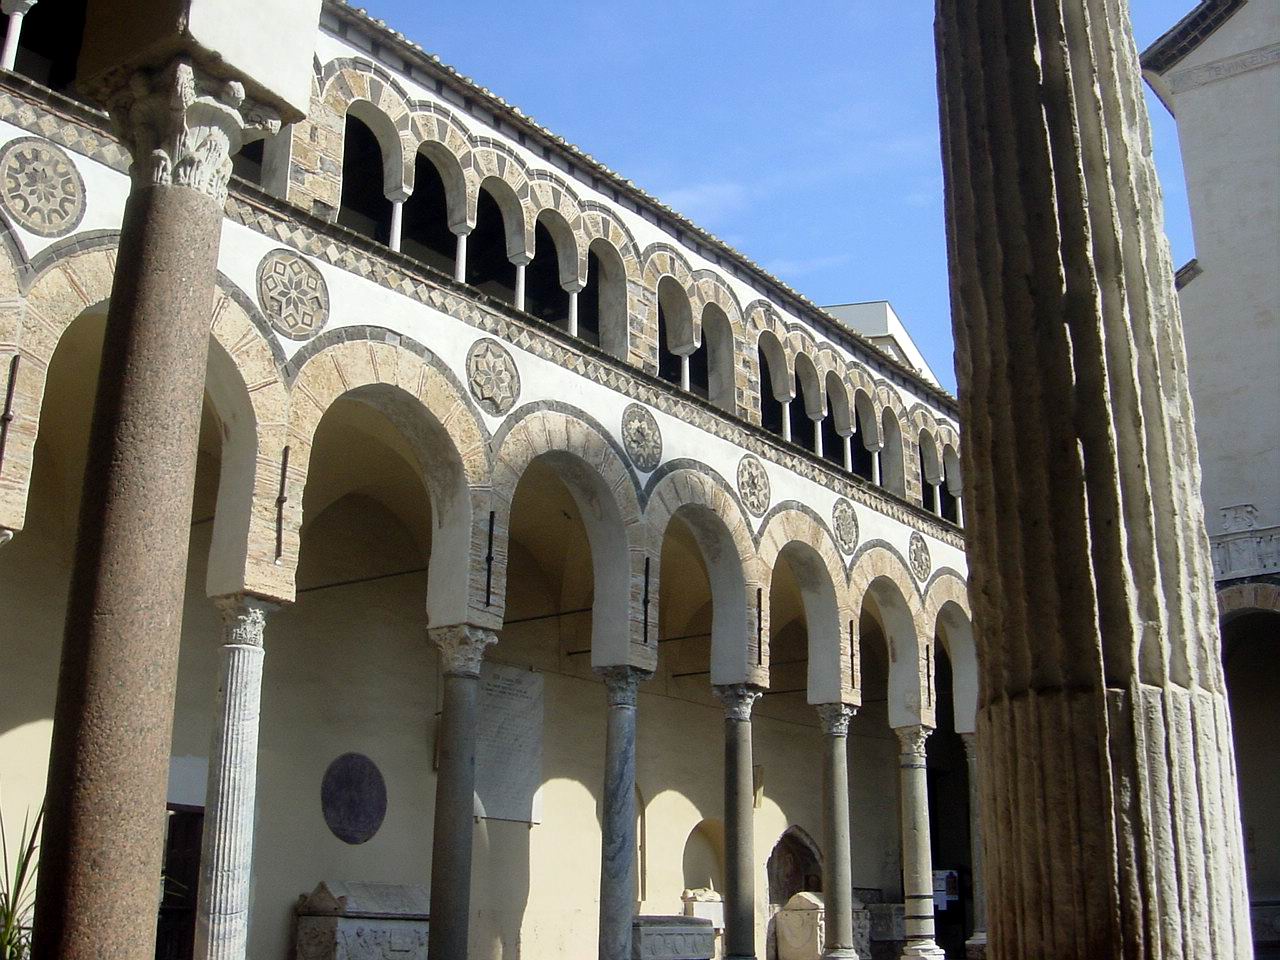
<point>509,743</point>
<point>353,797</point>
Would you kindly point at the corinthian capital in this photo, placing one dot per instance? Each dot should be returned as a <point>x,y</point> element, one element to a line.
<point>462,647</point>
<point>835,718</point>
<point>912,739</point>
<point>243,620</point>
<point>181,124</point>
<point>738,699</point>
<point>622,683</point>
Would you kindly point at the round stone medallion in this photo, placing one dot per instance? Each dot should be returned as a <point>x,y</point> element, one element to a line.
<point>919,557</point>
<point>753,485</point>
<point>294,297</point>
<point>641,437</point>
<point>492,376</point>
<point>353,796</point>
<point>40,187</point>
<point>845,523</point>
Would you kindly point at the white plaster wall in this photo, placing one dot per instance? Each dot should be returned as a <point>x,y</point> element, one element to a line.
<point>1229,130</point>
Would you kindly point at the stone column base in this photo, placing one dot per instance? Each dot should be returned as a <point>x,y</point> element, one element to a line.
<point>841,953</point>
<point>975,948</point>
<point>927,950</point>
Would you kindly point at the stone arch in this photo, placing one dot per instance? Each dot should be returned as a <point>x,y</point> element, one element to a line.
<point>794,864</point>
<point>370,95</point>
<point>661,260</point>
<point>898,470</point>
<point>607,496</point>
<point>721,530</point>
<point>499,169</point>
<point>438,134</point>
<point>758,317</point>
<point>833,663</point>
<point>950,620</point>
<point>839,404</point>
<point>421,398</point>
<point>242,380</point>
<point>811,384</point>
<point>1241,598</point>
<point>781,366</point>
<point>554,203</point>
<point>882,574</point>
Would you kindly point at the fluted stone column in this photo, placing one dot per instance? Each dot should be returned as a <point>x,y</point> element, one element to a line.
<point>837,881</point>
<point>917,857</point>
<point>17,11</point>
<point>1104,739</point>
<point>739,805</point>
<point>103,836</point>
<point>618,828</point>
<point>461,650</point>
<point>222,908</point>
<point>976,945</point>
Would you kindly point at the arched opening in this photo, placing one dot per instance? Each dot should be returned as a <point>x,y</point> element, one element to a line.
<point>489,268</point>
<point>704,857</point>
<point>364,206</point>
<point>794,866</point>
<point>837,424</point>
<point>545,296</point>
<point>602,304</point>
<point>892,474</point>
<point>952,484</point>
<point>866,433</point>
<point>49,48</point>
<point>675,329</point>
<point>807,408</point>
<point>1250,648</point>
<point>930,472</point>
<point>424,230</point>
<point>947,769</point>
<point>773,370</point>
<point>718,349</point>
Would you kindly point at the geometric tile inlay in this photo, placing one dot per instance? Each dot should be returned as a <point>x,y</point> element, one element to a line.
<point>293,294</point>
<point>845,523</point>
<point>492,376</point>
<point>40,187</point>
<point>753,485</point>
<point>642,438</point>
<point>919,557</point>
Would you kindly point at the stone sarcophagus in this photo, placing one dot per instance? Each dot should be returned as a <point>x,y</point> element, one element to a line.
<point>345,920</point>
<point>672,938</point>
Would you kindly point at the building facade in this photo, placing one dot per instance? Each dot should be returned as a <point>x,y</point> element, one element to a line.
<point>1218,72</point>
<point>478,407</point>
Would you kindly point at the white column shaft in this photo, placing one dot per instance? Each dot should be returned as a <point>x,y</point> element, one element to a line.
<point>9,56</point>
<point>573,313</point>
<point>786,420</point>
<point>460,260</point>
<point>222,911</point>
<point>520,269</point>
<point>848,453</point>
<point>917,858</point>
<point>397,224</point>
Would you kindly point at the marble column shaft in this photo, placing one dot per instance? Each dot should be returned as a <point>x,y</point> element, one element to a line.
<point>461,651</point>
<point>17,11</point>
<point>618,828</point>
<point>739,825</point>
<point>222,907</point>
<point>976,945</point>
<point>1104,740</point>
<point>103,838</point>
<point>917,857</point>
<point>837,864</point>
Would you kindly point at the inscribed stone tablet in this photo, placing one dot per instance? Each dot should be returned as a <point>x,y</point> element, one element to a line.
<point>353,796</point>
<point>509,743</point>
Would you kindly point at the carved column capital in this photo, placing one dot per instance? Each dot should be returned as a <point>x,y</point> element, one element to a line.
<point>738,699</point>
<point>22,7</point>
<point>835,718</point>
<point>912,740</point>
<point>243,619</point>
<point>622,683</point>
<point>462,647</point>
<point>182,124</point>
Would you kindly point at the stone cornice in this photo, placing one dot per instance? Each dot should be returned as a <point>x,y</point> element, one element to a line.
<point>1188,33</point>
<point>683,230</point>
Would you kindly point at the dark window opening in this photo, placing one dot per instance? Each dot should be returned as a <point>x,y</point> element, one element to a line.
<point>950,505</point>
<point>700,370</point>
<point>770,406</point>
<point>544,297</point>
<point>424,224</point>
<point>364,207</point>
<point>49,48</point>
<point>668,363</point>
<point>247,164</point>
<point>176,925</point>
<point>832,442</point>
<point>926,494</point>
<point>488,267</point>
<point>863,459</point>
<point>589,305</point>
<point>802,428</point>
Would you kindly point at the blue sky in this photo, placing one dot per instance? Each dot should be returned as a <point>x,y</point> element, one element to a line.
<point>804,134</point>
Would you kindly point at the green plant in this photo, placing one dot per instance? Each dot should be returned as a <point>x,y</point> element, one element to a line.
<point>17,890</point>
